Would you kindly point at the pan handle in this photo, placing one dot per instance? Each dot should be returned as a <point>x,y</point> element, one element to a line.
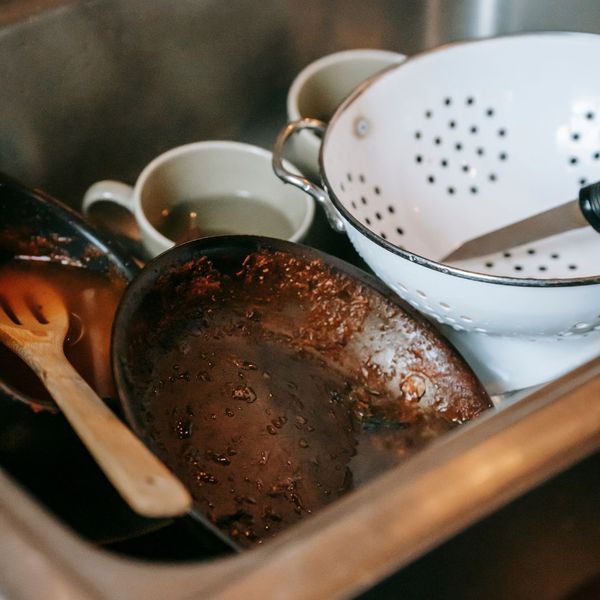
<point>299,181</point>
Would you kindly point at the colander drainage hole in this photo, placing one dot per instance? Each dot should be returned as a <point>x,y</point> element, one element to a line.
<point>399,231</point>
<point>363,200</point>
<point>470,101</point>
<point>582,181</point>
<point>555,255</point>
<point>474,129</point>
<point>492,177</point>
<point>490,112</point>
<point>418,135</point>
<point>518,268</point>
<point>542,268</point>
<point>377,190</point>
<point>431,179</point>
<point>502,132</point>
<point>575,136</point>
<point>573,160</point>
<point>447,101</point>
<point>451,191</point>
<point>572,267</point>
<point>361,178</point>
<point>596,156</point>
<point>489,265</point>
<point>590,116</point>
<point>391,209</point>
<point>503,156</point>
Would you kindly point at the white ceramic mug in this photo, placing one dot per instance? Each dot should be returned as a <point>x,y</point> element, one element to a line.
<point>208,188</point>
<point>321,87</point>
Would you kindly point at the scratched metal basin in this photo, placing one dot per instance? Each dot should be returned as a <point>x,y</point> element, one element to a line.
<point>95,89</point>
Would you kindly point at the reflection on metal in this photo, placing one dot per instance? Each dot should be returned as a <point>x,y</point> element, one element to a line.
<point>464,19</point>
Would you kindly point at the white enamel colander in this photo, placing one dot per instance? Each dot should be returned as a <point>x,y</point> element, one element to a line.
<point>459,141</point>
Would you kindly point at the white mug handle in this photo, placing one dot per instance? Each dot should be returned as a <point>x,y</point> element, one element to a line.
<point>109,191</point>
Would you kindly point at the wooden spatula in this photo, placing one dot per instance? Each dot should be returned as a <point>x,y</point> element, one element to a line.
<point>33,323</point>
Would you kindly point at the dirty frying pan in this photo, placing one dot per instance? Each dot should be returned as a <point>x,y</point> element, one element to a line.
<point>272,379</point>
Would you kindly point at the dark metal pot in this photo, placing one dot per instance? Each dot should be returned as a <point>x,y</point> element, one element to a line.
<point>273,378</point>
<point>37,445</point>
<point>37,226</point>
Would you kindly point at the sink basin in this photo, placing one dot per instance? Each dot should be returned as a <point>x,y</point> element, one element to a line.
<point>94,90</point>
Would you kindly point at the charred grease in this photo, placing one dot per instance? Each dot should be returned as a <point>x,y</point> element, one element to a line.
<point>290,385</point>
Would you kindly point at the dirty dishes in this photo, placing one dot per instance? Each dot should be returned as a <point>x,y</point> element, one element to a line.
<point>208,188</point>
<point>411,170</point>
<point>320,87</point>
<point>33,323</point>
<point>273,379</point>
<point>40,235</point>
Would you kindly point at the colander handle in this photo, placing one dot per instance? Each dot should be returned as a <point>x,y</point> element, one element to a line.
<point>299,181</point>
<point>589,202</point>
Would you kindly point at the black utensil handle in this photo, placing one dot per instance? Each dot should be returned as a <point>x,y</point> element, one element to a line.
<point>589,202</point>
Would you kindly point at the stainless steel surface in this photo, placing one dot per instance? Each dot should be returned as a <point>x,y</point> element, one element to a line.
<point>550,222</point>
<point>94,89</point>
<point>299,181</point>
<point>97,88</point>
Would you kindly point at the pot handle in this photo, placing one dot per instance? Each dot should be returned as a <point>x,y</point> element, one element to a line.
<point>319,194</point>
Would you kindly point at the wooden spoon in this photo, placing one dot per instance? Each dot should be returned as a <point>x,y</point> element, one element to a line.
<point>33,324</point>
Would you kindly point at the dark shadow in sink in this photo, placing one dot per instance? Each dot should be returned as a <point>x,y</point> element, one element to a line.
<point>544,545</point>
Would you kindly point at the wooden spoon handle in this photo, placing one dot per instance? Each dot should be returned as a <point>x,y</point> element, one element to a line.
<point>141,479</point>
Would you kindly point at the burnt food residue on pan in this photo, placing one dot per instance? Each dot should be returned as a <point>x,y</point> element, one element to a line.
<point>91,299</point>
<point>279,384</point>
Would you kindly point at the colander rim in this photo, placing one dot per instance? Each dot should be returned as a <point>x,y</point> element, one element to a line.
<point>412,256</point>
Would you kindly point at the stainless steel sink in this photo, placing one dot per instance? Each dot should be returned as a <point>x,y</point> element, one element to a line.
<point>93,90</point>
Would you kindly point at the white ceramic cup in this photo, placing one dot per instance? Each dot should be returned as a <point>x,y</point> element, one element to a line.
<point>213,187</point>
<point>321,87</point>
